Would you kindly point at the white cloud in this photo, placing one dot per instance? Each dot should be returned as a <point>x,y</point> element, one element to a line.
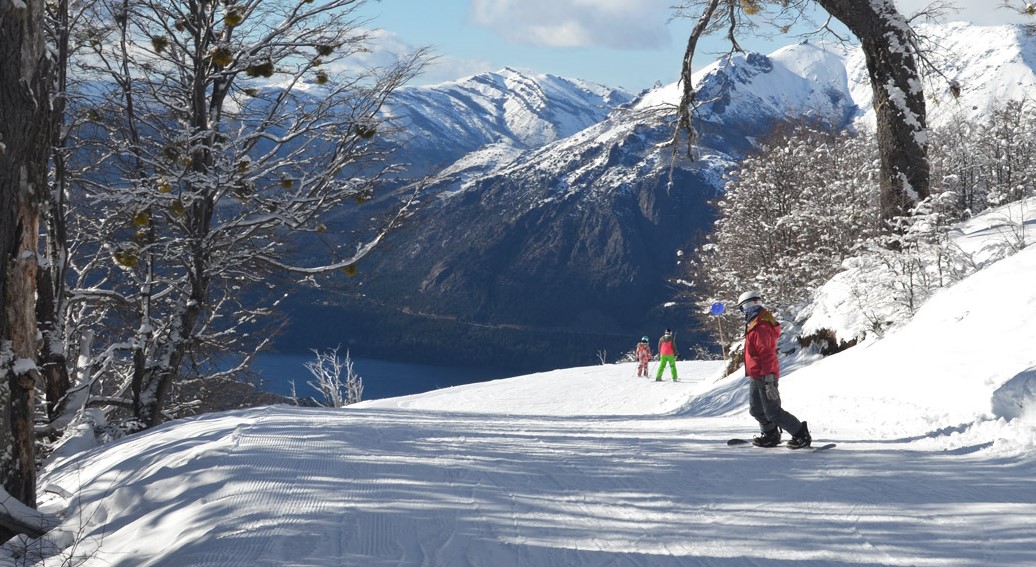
<point>983,12</point>
<point>386,48</point>
<point>383,49</point>
<point>619,24</point>
<point>448,68</point>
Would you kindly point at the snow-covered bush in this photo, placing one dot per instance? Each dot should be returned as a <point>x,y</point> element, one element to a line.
<point>335,379</point>
<point>977,165</point>
<point>789,217</point>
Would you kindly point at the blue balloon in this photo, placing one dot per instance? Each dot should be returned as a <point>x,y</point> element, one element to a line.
<point>718,308</point>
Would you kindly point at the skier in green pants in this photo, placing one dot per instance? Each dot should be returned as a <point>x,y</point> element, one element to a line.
<point>667,354</point>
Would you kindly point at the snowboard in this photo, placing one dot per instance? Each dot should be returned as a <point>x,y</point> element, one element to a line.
<point>748,443</point>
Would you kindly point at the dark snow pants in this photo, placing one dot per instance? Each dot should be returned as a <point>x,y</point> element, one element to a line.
<point>767,412</point>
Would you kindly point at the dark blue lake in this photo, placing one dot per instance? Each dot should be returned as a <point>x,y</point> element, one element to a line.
<point>381,379</point>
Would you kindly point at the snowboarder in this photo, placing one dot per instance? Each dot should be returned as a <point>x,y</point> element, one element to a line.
<point>643,357</point>
<point>764,372</point>
<point>667,354</point>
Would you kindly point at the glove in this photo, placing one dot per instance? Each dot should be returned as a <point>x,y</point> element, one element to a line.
<point>771,387</point>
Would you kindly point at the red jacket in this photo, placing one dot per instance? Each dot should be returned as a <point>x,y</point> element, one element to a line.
<point>667,346</point>
<point>761,346</point>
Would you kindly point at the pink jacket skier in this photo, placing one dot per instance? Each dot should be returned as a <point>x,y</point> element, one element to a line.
<point>643,357</point>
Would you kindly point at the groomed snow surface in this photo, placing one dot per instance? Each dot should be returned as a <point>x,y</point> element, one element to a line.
<point>593,466</point>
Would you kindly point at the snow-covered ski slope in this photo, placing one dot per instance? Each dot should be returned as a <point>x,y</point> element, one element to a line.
<point>935,464</point>
<point>591,466</point>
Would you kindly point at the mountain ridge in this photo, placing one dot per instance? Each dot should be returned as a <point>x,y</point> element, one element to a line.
<point>445,121</point>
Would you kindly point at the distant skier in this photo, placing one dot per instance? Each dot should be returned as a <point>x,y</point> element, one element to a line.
<point>667,354</point>
<point>643,357</point>
<point>764,371</point>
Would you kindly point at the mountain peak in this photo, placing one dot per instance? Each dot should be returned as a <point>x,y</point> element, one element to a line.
<point>509,106</point>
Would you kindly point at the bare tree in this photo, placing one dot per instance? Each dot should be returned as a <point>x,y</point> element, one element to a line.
<point>335,379</point>
<point>51,305</point>
<point>891,52</point>
<point>220,133</point>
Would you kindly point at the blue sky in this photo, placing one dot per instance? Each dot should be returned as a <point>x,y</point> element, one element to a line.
<point>619,43</point>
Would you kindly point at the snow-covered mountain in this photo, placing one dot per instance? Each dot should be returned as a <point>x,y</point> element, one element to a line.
<point>934,464</point>
<point>802,80</point>
<point>556,253</point>
<point>438,124</point>
<point>990,65</point>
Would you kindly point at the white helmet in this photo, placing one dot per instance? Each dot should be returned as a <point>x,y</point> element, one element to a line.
<point>749,296</point>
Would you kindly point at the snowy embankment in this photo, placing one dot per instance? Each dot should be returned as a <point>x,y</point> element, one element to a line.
<point>592,466</point>
<point>945,369</point>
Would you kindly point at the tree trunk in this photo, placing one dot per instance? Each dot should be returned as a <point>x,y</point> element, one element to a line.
<point>50,302</point>
<point>153,379</point>
<point>152,382</point>
<point>24,148</point>
<point>898,99</point>
<point>53,364</point>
